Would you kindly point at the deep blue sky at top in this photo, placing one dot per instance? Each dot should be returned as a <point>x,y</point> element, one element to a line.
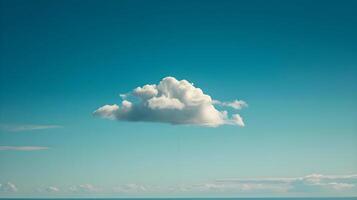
<point>294,62</point>
<point>75,51</point>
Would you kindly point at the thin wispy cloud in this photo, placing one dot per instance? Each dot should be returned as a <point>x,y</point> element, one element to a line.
<point>172,101</point>
<point>22,148</point>
<point>26,127</point>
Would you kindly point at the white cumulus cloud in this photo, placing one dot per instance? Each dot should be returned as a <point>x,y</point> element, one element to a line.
<point>131,188</point>
<point>172,101</point>
<point>52,189</point>
<point>8,187</point>
<point>314,184</point>
<point>84,188</point>
<point>309,183</point>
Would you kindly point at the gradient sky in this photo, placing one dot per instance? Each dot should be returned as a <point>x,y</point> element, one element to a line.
<point>293,62</point>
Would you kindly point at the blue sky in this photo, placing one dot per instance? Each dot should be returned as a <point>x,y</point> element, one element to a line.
<point>294,63</point>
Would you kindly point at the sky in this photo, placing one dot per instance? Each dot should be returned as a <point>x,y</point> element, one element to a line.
<point>243,98</point>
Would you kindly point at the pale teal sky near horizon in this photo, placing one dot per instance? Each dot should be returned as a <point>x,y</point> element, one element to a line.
<point>294,63</point>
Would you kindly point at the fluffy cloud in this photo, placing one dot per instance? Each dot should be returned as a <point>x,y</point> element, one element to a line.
<point>315,185</point>
<point>28,127</point>
<point>84,188</point>
<point>307,184</point>
<point>22,148</point>
<point>131,188</point>
<point>8,187</point>
<point>52,189</point>
<point>310,185</point>
<point>49,189</point>
<point>316,182</point>
<point>172,101</point>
